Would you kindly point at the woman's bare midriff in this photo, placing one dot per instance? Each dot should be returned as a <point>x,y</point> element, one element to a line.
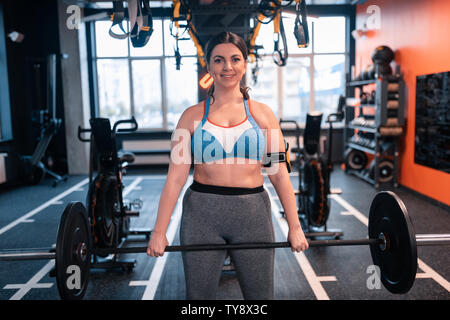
<point>229,175</point>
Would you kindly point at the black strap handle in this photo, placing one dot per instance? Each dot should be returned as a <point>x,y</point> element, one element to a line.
<point>301,31</point>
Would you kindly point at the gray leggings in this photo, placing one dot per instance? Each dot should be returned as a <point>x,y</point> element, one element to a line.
<point>218,215</point>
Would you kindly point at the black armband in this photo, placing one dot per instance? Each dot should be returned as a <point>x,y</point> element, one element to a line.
<point>278,157</point>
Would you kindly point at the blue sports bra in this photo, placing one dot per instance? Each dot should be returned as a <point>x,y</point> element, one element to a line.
<point>212,142</point>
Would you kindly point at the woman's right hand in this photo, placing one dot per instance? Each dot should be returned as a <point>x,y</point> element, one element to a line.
<point>157,244</point>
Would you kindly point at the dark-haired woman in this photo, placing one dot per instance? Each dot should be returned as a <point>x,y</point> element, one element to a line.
<point>227,135</point>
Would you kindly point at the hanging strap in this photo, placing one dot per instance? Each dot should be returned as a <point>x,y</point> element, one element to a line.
<point>279,55</point>
<point>301,24</point>
<point>117,18</point>
<point>143,25</point>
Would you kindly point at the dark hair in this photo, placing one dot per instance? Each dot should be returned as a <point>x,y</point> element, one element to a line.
<point>226,37</point>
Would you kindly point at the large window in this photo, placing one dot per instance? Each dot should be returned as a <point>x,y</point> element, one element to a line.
<point>144,82</point>
<point>313,78</point>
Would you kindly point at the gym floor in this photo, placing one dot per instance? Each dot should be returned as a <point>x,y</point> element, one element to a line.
<point>30,218</point>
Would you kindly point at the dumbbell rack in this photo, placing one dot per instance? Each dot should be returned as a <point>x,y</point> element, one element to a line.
<point>386,127</point>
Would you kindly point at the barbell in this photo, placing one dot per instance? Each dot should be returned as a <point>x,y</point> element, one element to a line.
<point>393,246</point>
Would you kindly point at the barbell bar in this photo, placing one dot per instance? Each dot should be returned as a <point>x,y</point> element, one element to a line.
<point>28,254</point>
<point>421,240</point>
<point>392,240</point>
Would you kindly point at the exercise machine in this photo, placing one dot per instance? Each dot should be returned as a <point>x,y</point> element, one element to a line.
<point>314,171</point>
<point>32,169</point>
<point>109,215</point>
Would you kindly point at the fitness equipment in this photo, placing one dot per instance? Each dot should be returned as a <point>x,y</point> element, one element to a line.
<point>368,73</point>
<point>382,57</point>
<point>355,159</point>
<point>320,218</point>
<point>260,12</point>
<point>385,170</point>
<point>363,121</point>
<point>314,170</point>
<point>312,196</point>
<point>31,169</point>
<point>143,28</point>
<point>117,17</point>
<point>382,54</point>
<point>393,246</point>
<point>301,32</point>
<point>109,216</point>
<point>141,22</point>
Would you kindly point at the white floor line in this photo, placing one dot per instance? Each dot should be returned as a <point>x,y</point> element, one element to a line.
<point>428,271</point>
<point>350,210</point>
<point>313,280</point>
<point>33,283</point>
<point>57,201</point>
<point>132,186</point>
<point>327,278</point>
<point>152,283</point>
<point>35,211</point>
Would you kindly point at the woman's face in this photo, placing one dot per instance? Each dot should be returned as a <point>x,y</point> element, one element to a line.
<point>227,65</point>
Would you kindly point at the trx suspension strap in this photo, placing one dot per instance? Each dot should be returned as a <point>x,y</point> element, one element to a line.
<point>301,24</point>
<point>143,28</point>
<point>279,55</point>
<point>191,30</point>
<point>117,18</point>
<point>193,33</point>
<point>252,55</point>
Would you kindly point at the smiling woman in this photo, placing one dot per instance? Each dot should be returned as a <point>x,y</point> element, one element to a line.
<point>227,202</point>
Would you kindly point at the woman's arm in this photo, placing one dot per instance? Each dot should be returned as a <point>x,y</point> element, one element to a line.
<point>279,177</point>
<point>179,166</point>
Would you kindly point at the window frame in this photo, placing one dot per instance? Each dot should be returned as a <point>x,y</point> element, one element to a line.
<point>95,112</point>
<point>347,53</point>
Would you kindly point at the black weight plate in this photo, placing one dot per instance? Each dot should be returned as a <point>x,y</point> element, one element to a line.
<point>355,159</point>
<point>385,170</point>
<point>398,262</point>
<point>73,252</point>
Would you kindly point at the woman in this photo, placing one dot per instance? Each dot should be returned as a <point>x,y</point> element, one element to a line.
<point>227,203</point>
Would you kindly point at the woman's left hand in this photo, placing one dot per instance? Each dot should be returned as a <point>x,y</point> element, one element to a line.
<point>297,239</point>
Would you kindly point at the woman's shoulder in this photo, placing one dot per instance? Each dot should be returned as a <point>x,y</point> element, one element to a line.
<point>262,113</point>
<point>191,114</point>
<point>259,106</point>
<point>195,112</point>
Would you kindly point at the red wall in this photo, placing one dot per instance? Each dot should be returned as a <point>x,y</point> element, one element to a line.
<point>419,33</point>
